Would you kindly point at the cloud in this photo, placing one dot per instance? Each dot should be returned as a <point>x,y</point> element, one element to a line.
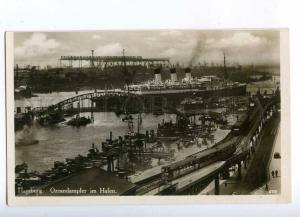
<point>170,52</point>
<point>240,47</point>
<point>96,37</point>
<point>187,47</point>
<point>238,39</point>
<point>180,50</point>
<point>38,44</point>
<point>109,49</point>
<point>171,33</point>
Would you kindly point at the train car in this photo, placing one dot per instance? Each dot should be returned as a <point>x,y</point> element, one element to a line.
<point>219,152</point>
<point>240,125</point>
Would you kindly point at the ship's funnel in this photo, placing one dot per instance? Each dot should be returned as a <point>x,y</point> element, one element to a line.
<point>188,74</point>
<point>157,74</point>
<point>173,75</point>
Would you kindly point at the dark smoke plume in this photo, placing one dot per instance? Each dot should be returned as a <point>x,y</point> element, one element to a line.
<point>197,51</point>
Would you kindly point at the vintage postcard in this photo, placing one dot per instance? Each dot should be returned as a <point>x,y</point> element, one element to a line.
<point>119,117</point>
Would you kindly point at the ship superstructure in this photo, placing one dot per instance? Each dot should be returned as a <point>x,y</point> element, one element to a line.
<point>187,84</point>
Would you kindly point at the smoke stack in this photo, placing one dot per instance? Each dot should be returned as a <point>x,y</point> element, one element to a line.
<point>17,71</point>
<point>92,60</point>
<point>188,74</point>
<point>173,75</point>
<point>157,74</point>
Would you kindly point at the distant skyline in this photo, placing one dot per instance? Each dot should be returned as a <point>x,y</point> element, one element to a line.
<point>244,47</point>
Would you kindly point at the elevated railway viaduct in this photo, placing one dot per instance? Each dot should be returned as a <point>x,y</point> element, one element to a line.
<point>197,179</point>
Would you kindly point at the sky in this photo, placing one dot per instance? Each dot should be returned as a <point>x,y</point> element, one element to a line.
<point>243,47</point>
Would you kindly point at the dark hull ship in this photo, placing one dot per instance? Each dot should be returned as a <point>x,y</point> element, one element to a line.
<point>23,92</point>
<point>79,121</point>
<point>51,118</point>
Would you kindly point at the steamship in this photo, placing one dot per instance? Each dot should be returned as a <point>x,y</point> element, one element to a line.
<point>205,86</point>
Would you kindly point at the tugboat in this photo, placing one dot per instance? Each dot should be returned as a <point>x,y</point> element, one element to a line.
<point>170,130</point>
<point>127,118</point>
<point>193,103</point>
<point>51,118</point>
<point>23,91</point>
<point>20,167</point>
<point>182,126</point>
<point>79,121</point>
<point>22,119</point>
<point>69,113</point>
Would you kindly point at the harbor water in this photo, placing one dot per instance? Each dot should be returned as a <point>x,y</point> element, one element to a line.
<point>62,141</point>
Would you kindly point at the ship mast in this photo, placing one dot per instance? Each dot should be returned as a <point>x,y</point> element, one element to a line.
<point>225,69</point>
<point>124,61</point>
<point>125,72</point>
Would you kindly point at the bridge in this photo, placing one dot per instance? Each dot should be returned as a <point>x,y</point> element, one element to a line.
<point>117,100</point>
<point>93,95</point>
<point>86,96</point>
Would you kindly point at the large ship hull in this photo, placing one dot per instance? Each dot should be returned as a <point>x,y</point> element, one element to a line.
<point>223,92</point>
<point>233,91</point>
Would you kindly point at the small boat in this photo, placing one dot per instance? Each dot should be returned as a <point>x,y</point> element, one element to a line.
<point>23,91</point>
<point>193,103</point>
<point>127,118</point>
<point>20,167</point>
<point>70,112</point>
<point>79,121</point>
<point>51,118</point>
<point>158,112</point>
<point>23,142</point>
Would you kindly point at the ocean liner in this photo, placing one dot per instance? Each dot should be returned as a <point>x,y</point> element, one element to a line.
<point>205,86</point>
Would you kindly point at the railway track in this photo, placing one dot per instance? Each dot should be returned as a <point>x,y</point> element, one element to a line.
<point>242,141</point>
<point>253,125</point>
